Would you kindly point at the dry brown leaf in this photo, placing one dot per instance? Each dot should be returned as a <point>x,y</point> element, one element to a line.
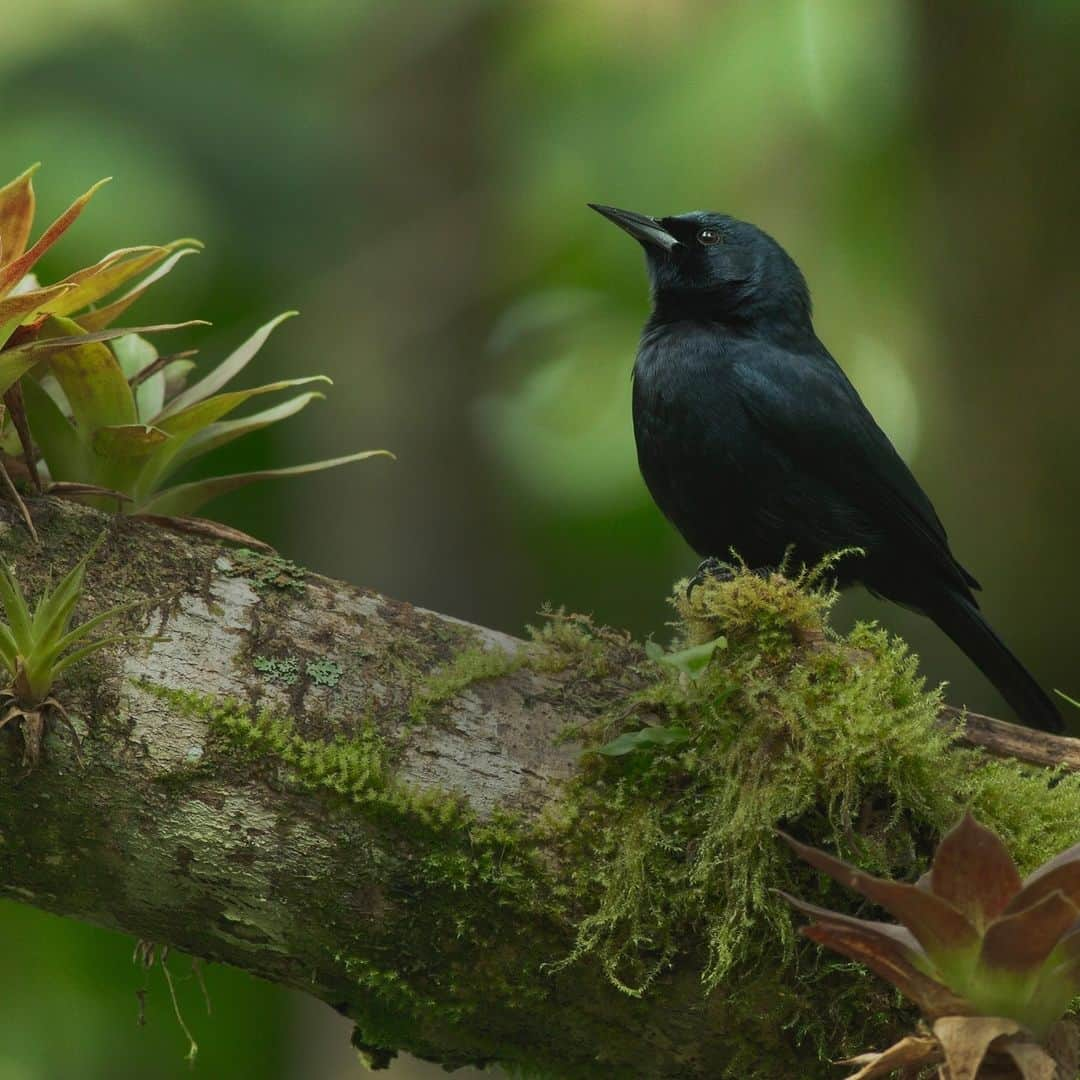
<point>966,1039</point>
<point>915,1050</point>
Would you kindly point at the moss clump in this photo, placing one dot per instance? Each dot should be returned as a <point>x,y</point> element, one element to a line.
<point>324,672</point>
<point>267,571</point>
<point>285,671</point>
<point>835,739</point>
<point>471,665</point>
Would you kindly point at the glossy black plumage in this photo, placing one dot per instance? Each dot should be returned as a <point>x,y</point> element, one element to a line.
<point>751,438</point>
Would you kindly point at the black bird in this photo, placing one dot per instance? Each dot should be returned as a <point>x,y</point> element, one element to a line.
<point>751,438</point>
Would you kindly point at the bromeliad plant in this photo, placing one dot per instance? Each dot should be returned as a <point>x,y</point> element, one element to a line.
<point>97,414</point>
<point>991,961</point>
<point>36,648</point>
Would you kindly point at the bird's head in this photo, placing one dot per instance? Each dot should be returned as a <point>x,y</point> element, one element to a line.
<point>711,265</point>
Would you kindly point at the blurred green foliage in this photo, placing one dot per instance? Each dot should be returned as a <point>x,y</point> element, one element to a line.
<point>413,176</point>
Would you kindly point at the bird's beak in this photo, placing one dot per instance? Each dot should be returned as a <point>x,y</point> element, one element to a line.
<point>641,227</point>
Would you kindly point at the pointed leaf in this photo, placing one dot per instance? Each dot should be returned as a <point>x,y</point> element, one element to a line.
<point>185,498</point>
<point>79,632</point>
<point>84,652</point>
<point>55,607</point>
<point>12,272</point>
<point>193,419</point>
<point>50,345</point>
<point>226,370</point>
<point>1061,872</point>
<point>932,997</point>
<point>966,1039</point>
<point>18,614</point>
<point>916,1051</point>
<point>16,215</point>
<point>8,649</point>
<point>102,317</point>
<point>941,930</point>
<point>974,872</point>
<point>23,307</point>
<point>1020,943</point>
<point>66,455</point>
<point>136,355</point>
<point>92,381</point>
<point>224,431</point>
<point>107,275</point>
<point>900,936</point>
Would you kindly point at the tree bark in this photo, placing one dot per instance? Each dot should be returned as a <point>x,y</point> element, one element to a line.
<point>291,846</point>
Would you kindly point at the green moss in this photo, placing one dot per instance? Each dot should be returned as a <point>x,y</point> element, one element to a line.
<point>267,571</point>
<point>324,672</point>
<point>656,869</point>
<point>471,665</point>
<point>834,739</point>
<point>285,671</point>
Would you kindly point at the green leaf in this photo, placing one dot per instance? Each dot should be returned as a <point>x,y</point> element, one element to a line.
<point>80,631</point>
<point>123,451</point>
<point>103,317</point>
<point>107,275</point>
<point>11,273</point>
<point>193,419</point>
<point>9,651</point>
<point>84,652</point>
<point>645,739</point>
<point>54,608</point>
<point>66,455</point>
<point>226,370</point>
<point>18,614</point>
<point>14,364</point>
<point>692,661</point>
<point>187,498</point>
<point>135,354</point>
<point>1071,701</point>
<point>92,381</point>
<point>224,431</point>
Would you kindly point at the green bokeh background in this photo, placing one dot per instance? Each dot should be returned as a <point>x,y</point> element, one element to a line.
<point>413,176</point>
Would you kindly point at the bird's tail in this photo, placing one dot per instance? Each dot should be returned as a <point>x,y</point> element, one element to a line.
<point>961,619</point>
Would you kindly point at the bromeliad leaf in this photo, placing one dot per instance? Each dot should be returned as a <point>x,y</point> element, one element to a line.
<point>187,498</point>
<point>16,215</point>
<point>104,277</point>
<point>12,272</point>
<point>24,307</point>
<point>646,739</point>
<point>103,317</point>
<point>231,366</point>
<point>91,379</point>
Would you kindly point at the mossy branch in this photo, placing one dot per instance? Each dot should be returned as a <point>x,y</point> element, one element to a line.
<point>383,806</point>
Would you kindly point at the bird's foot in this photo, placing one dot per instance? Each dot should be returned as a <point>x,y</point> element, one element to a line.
<point>713,568</point>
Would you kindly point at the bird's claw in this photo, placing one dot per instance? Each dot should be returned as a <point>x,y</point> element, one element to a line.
<point>711,567</point>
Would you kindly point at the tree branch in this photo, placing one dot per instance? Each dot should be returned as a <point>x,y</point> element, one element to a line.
<point>324,845</point>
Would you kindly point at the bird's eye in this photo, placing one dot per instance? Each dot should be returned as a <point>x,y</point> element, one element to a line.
<point>709,236</point>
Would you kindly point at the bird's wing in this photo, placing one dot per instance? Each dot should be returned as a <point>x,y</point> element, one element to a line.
<point>806,405</point>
